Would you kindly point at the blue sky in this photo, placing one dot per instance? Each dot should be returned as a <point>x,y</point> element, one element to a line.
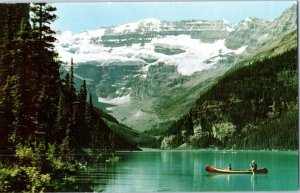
<point>79,17</point>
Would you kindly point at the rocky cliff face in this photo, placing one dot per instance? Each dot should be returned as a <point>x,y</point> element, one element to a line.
<point>256,32</point>
<point>150,72</point>
<point>144,31</point>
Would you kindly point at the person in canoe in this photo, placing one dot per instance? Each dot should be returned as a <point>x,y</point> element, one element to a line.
<point>229,167</point>
<point>253,165</point>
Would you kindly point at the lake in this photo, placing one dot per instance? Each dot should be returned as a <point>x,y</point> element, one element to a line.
<point>184,171</point>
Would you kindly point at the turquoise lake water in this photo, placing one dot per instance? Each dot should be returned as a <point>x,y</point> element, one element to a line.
<point>184,171</point>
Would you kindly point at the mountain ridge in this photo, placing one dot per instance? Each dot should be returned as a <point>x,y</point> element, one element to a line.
<point>154,69</point>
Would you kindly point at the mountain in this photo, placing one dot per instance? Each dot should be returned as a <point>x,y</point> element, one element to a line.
<point>256,32</point>
<point>149,73</point>
<point>252,107</point>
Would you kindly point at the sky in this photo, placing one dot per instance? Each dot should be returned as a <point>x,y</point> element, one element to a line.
<point>80,17</point>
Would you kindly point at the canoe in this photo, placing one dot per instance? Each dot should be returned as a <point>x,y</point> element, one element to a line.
<point>226,171</point>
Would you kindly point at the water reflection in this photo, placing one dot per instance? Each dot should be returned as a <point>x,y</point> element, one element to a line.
<point>252,181</point>
<point>228,179</point>
<point>232,181</point>
<point>185,171</point>
<point>95,177</point>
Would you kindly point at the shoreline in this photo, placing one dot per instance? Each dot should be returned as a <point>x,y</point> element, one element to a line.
<point>144,149</point>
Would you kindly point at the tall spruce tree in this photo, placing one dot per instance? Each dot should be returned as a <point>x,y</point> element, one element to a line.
<point>81,117</point>
<point>90,119</point>
<point>48,68</point>
<point>42,17</point>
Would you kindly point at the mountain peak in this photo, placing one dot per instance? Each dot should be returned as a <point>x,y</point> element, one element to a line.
<point>149,20</point>
<point>253,20</point>
<point>287,21</point>
<point>290,12</point>
<point>248,19</point>
<point>225,21</point>
<point>250,22</point>
<point>150,24</point>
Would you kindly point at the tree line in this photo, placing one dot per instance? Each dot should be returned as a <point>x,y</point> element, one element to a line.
<point>255,106</point>
<point>45,123</point>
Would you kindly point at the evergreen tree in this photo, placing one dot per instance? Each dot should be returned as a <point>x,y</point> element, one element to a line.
<point>83,93</point>
<point>42,17</point>
<point>72,73</point>
<point>42,119</point>
<point>90,112</point>
<point>11,16</point>
<point>258,99</point>
<point>82,119</point>
<point>71,85</point>
<point>60,119</point>
<point>189,124</point>
<point>19,120</point>
<point>90,119</point>
<point>48,67</point>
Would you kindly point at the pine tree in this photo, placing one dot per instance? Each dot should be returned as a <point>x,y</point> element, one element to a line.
<point>71,84</point>
<point>42,17</point>
<point>60,119</point>
<point>48,67</point>
<point>84,132</point>
<point>10,20</point>
<point>189,125</point>
<point>90,111</point>
<point>11,16</point>
<point>90,120</point>
<point>83,94</point>
<point>20,80</point>
<point>72,73</point>
<point>6,115</point>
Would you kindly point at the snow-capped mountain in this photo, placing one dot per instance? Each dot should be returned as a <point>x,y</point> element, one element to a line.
<point>149,72</point>
<point>155,25</point>
<point>202,42</point>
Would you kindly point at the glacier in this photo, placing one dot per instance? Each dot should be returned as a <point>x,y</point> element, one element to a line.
<point>115,101</point>
<point>81,48</point>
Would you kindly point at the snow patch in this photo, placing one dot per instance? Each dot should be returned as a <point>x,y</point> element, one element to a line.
<point>110,108</point>
<point>139,113</point>
<point>248,19</point>
<point>230,29</point>
<point>263,37</point>
<point>241,50</point>
<point>82,48</point>
<point>144,76</point>
<point>198,22</point>
<point>115,101</point>
<point>225,21</point>
<point>151,24</point>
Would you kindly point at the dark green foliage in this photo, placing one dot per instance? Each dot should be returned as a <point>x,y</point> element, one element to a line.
<point>10,24</point>
<point>44,122</point>
<point>11,16</point>
<point>272,135</point>
<point>181,129</point>
<point>255,100</point>
<point>30,73</point>
<point>80,121</point>
<point>205,141</point>
<point>42,17</point>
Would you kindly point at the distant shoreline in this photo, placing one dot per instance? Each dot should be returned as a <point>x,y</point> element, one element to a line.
<point>209,149</point>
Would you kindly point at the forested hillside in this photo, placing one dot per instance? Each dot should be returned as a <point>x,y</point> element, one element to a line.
<point>46,125</point>
<point>251,107</point>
